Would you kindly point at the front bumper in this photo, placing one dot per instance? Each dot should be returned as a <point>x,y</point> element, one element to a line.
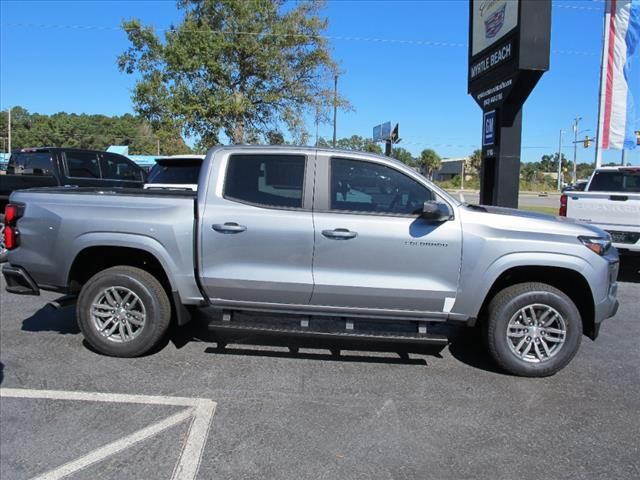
<point>19,281</point>
<point>608,306</point>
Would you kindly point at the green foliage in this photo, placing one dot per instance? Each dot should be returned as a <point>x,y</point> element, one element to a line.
<point>584,170</point>
<point>474,162</point>
<point>429,161</point>
<point>549,163</point>
<point>95,132</point>
<point>234,66</point>
<point>354,142</point>
<point>472,183</point>
<point>403,155</point>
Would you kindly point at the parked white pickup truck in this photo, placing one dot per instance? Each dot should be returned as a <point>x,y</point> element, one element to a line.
<point>610,201</point>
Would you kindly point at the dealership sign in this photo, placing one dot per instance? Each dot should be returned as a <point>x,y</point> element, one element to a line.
<point>492,20</point>
<point>508,49</point>
<point>489,128</point>
<point>509,43</point>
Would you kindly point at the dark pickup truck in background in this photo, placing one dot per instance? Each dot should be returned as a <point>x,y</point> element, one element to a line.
<point>54,167</point>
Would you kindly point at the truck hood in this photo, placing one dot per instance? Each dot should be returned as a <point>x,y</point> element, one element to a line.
<point>522,220</point>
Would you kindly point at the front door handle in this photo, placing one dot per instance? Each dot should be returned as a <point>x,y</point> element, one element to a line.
<point>339,234</point>
<point>228,227</point>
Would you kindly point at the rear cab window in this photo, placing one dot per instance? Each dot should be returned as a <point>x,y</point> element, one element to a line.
<point>273,181</point>
<point>622,180</point>
<point>175,172</point>
<point>115,167</point>
<point>37,163</point>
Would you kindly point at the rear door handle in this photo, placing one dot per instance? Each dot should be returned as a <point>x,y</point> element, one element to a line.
<point>339,234</point>
<point>228,227</point>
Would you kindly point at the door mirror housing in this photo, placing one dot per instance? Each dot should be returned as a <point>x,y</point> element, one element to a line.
<point>436,211</point>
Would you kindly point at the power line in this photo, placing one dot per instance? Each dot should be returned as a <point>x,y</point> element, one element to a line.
<point>577,7</point>
<point>395,41</point>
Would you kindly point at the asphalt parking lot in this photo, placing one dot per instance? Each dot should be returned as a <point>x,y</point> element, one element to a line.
<point>256,410</point>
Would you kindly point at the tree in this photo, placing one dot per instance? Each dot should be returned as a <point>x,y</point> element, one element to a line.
<point>549,163</point>
<point>355,142</point>
<point>95,132</point>
<point>475,161</point>
<point>274,137</point>
<point>233,66</point>
<point>429,161</point>
<point>403,155</point>
<point>584,170</point>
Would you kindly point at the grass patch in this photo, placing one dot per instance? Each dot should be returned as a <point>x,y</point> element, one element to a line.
<point>533,208</point>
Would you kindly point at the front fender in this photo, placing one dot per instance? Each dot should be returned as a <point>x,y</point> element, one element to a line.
<point>474,286</point>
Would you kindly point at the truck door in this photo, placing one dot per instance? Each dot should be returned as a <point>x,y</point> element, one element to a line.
<point>256,230</point>
<point>373,250</point>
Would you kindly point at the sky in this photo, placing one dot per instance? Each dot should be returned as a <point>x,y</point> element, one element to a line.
<point>402,61</point>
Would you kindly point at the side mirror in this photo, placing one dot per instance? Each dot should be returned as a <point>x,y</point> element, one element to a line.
<point>436,212</point>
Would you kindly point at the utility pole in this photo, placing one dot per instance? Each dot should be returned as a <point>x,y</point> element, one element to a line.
<point>462,177</point>
<point>560,161</point>
<point>574,175</point>
<point>623,160</point>
<point>335,107</point>
<point>9,130</point>
<point>158,145</point>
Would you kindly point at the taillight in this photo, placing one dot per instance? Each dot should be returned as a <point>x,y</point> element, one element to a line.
<point>563,206</point>
<point>10,237</point>
<point>12,213</point>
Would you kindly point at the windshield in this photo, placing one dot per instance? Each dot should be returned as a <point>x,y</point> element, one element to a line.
<point>615,181</point>
<point>175,172</point>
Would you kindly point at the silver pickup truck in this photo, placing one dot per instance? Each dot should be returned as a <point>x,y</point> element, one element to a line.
<point>335,243</point>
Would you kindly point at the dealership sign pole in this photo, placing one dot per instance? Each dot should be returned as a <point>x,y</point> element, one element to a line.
<point>508,53</point>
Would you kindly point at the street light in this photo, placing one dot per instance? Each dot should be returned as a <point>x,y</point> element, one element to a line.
<point>576,122</point>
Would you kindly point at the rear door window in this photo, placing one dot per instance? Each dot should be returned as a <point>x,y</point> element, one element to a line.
<point>616,181</point>
<point>178,172</point>
<point>266,180</point>
<point>82,164</point>
<point>30,163</point>
<point>115,167</point>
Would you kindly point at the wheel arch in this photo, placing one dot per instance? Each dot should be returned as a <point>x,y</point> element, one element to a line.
<point>569,281</point>
<point>97,257</point>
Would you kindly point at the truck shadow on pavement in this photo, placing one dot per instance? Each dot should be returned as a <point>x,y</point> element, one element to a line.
<point>283,346</point>
<point>465,344</point>
<point>49,319</point>
<point>629,269</point>
<point>468,347</point>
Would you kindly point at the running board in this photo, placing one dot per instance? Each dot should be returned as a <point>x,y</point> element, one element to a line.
<point>344,329</point>
<point>63,301</point>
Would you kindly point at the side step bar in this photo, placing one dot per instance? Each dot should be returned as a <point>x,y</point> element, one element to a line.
<point>345,329</point>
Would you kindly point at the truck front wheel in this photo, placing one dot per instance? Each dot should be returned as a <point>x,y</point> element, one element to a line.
<point>533,329</point>
<point>123,311</point>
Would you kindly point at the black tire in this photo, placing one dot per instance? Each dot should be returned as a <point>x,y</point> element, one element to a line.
<point>150,293</point>
<point>506,304</point>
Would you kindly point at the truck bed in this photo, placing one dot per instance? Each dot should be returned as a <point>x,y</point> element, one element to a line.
<point>61,222</point>
<point>616,212</point>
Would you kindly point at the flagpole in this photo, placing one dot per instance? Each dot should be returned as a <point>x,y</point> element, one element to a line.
<point>603,65</point>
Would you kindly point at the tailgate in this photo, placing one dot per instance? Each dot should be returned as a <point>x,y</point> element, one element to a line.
<point>615,209</point>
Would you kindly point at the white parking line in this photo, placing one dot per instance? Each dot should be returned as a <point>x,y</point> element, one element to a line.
<point>200,410</point>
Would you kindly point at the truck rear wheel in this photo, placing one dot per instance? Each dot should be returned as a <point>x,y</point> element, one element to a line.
<point>533,329</point>
<point>123,311</point>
